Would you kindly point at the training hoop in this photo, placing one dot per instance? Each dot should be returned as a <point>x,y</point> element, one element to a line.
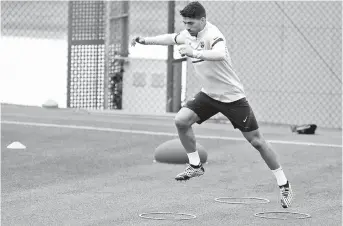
<point>190,216</point>
<point>302,215</point>
<point>260,200</point>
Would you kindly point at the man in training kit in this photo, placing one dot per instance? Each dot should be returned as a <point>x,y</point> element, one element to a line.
<point>222,91</point>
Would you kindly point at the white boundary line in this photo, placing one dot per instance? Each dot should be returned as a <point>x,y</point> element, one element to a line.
<point>104,129</point>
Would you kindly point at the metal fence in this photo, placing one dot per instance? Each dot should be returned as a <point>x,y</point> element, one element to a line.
<point>34,19</point>
<point>86,59</point>
<point>34,41</point>
<point>287,54</point>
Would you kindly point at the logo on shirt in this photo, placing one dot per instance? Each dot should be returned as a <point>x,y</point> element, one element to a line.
<point>202,44</point>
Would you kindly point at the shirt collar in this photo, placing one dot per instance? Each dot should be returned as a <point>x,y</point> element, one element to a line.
<point>201,33</point>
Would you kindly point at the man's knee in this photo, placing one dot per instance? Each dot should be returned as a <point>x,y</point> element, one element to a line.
<point>185,118</point>
<point>181,122</point>
<point>257,142</point>
<point>255,138</point>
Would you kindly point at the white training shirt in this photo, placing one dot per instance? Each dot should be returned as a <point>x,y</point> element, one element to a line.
<point>218,79</point>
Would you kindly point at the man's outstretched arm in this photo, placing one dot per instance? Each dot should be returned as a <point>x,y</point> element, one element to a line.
<point>165,39</point>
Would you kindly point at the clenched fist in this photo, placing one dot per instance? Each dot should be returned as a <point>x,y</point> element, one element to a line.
<point>138,39</point>
<point>186,50</point>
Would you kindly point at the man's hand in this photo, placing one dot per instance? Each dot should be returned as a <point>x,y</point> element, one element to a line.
<point>138,39</point>
<point>186,50</point>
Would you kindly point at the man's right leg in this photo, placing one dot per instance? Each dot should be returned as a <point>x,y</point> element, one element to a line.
<point>184,120</point>
<point>199,109</point>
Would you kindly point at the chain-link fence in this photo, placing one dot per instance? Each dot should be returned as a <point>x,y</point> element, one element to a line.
<point>33,52</point>
<point>34,19</point>
<point>287,54</point>
<point>86,48</point>
<point>145,81</point>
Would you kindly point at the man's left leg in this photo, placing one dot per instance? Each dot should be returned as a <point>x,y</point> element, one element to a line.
<point>270,157</point>
<point>256,139</point>
<point>242,117</point>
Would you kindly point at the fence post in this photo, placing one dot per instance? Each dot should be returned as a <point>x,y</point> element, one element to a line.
<point>106,53</point>
<point>177,84</point>
<point>171,22</point>
<point>125,31</point>
<point>70,27</point>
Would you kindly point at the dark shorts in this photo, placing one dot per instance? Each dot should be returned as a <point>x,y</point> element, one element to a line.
<point>238,112</point>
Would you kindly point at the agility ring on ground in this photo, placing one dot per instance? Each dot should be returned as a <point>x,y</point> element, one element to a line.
<point>284,213</point>
<point>227,200</point>
<point>186,216</point>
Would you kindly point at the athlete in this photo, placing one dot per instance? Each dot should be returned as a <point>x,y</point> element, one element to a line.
<point>222,91</point>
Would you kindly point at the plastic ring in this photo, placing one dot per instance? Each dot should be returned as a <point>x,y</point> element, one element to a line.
<point>222,200</point>
<point>302,215</point>
<point>190,216</point>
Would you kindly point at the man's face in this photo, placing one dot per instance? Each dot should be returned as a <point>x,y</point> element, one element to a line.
<point>193,26</point>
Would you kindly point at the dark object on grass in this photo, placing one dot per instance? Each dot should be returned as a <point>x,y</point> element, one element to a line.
<point>304,129</point>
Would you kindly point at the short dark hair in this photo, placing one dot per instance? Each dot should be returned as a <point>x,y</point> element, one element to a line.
<point>193,10</point>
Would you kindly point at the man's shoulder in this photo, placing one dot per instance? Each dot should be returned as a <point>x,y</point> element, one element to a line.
<point>213,28</point>
<point>213,32</point>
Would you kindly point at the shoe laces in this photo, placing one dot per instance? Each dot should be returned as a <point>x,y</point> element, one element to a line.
<point>284,191</point>
<point>190,169</point>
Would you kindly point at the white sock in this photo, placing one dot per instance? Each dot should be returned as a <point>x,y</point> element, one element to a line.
<point>280,176</point>
<point>194,158</point>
